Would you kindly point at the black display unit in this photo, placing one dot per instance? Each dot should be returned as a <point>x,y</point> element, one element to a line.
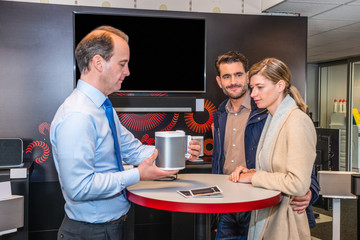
<point>327,149</point>
<point>327,157</point>
<point>167,54</point>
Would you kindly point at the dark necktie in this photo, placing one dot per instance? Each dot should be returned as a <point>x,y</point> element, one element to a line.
<point>110,117</point>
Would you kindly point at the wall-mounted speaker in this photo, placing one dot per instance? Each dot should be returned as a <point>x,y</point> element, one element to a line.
<point>11,152</point>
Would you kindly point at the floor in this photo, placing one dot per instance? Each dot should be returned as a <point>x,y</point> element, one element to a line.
<point>348,228</point>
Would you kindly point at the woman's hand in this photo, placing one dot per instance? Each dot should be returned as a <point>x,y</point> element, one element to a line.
<point>242,174</point>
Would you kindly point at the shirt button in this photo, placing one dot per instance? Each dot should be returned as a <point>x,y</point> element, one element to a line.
<point>232,161</point>
<point>234,145</point>
<point>235,114</point>
<point>234,129</point>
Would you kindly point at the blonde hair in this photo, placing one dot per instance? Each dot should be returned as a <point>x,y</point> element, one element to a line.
<point>275,70</point>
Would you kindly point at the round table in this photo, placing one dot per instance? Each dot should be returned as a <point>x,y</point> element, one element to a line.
<point>236,197</point>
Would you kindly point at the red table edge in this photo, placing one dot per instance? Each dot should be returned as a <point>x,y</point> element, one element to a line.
<point>203,207</point>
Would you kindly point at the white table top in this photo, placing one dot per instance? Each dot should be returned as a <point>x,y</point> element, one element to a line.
<point>236,197</point>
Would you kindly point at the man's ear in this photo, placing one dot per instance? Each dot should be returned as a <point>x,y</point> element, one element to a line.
<point>218,81</point>
<point>97,63</point>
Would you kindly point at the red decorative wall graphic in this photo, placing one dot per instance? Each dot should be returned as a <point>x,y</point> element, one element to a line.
<point>41,145</point>
<point>147,140</point>
<point>208,146</point>
<point>148,121</point>
<point>201,127</point>
<point>141,123</point>
<point>172,123</point>
<point>40,150</point>
<point>155,94</point>
<point>44,126</point>
<point>138,122</point>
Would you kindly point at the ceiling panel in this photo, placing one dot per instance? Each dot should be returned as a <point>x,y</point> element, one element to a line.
<point>308,9</point>
<point>320,25</point>
<point>336,2</point>
<point>344,12</point>
<point>337,46</point>
<point>355,27</point>
<point>326,37</point>
<point>355,2</point>
<point>333,27</point>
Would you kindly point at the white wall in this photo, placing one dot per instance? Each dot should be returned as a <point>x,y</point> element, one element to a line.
<point>356,87</point>
<point>333,85</point>
<point>216,6</point>
<point>312,83</point>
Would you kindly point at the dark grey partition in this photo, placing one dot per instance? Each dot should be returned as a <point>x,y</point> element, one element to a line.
<point>37,74</point>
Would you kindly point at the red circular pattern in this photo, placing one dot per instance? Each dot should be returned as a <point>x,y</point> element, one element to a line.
<point>201,127</point>
<point>173,122</point>
<point>44,126</point>
<point>141,122</point>
<point>156,94</point>
<point>206,142</point>
<point>43,146</point>
<point>145,122</point>
<point>146,139</point>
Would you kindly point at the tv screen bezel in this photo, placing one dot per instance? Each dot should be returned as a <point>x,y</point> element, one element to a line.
<point>144,92</point>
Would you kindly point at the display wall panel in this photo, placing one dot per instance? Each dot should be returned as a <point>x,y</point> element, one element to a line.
<point>37,69</point>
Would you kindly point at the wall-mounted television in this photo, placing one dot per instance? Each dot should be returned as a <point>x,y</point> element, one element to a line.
<point>167,54</point>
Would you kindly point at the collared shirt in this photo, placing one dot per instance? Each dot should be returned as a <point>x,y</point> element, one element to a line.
<point>234,149</point>
<point>85,159</point>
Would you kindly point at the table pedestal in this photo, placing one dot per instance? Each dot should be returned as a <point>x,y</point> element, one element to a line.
<point>202,226</point>
<point>336,219</point>
<point>336,200</point>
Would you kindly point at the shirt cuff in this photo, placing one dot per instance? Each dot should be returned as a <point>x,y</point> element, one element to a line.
<point>130,177</point>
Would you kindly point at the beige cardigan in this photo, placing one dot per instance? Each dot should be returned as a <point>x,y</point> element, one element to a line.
<point>292,155</point>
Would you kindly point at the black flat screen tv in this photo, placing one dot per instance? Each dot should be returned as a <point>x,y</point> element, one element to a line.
<point>327,149</point>
<point>167,54</point>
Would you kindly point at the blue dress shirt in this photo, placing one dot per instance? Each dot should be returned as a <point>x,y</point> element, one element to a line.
<point>85,159</point>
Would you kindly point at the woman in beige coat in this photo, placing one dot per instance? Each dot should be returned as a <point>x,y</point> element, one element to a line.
<point>285,154</point>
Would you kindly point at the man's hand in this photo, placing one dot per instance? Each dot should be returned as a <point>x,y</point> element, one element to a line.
<point>149,171</point>
<point>300,204</point>
<point>194,149</point>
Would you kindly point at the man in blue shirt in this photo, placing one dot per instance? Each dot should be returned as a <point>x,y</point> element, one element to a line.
<point>83,144</point>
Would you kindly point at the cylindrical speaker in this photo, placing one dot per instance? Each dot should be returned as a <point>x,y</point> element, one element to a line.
<point>171,150</point>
